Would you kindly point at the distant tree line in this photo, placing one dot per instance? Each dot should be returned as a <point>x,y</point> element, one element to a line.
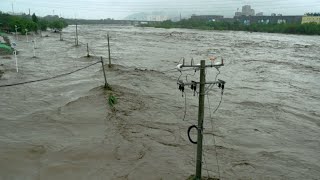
<point>313,14</point>
<point>31,23</point>
<point>308,28</point>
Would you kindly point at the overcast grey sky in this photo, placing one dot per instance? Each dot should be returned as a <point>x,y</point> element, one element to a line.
<point>118,9</point>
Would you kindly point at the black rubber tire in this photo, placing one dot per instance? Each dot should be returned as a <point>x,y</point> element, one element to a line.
<point>189,129</point>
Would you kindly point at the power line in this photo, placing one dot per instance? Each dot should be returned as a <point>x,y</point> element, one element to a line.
<point>214,139</point>
<point>45,79</point>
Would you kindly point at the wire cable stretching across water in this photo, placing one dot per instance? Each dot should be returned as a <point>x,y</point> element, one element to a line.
<point>212,126</point>
<point>49,78</point>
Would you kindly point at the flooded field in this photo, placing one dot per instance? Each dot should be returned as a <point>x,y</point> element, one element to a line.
<point>267,127</point>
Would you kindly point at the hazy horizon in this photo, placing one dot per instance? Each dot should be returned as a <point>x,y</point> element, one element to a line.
<point>102,9</point>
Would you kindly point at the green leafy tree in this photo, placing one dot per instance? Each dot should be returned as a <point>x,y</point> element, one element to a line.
<point>34,18</point>
<point>57,24</point>
<point>309,28</point>
<point>43,24</point>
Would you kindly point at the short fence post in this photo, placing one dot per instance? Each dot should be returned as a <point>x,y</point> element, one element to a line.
<point>77,41</point>
<point>15,57</point>
<point>34,48</point>
<point>104,74</point>
<point>109,50</point>
<point>88,55</point>
<point>61,36</point>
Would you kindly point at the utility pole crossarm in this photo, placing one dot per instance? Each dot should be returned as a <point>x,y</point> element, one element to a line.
<point>212,65</point>
<point>216,65</point>
<point>191,83</point>
<point>195,82</point>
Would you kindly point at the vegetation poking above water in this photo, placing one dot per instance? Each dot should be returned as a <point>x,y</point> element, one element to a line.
<point>112,100</point>
<point>31,23</point>
<point>308,29</point>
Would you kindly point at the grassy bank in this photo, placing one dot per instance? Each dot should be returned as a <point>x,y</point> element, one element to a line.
<point>5,47</point>
<point>308,29</point>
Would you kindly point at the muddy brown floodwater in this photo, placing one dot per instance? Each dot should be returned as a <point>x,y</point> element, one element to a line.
<point>267,127</point>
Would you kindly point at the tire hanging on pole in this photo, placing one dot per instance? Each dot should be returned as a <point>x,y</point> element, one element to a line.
<point>189,129</point>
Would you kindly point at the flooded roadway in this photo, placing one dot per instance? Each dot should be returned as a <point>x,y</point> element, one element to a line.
<point>267,126</point>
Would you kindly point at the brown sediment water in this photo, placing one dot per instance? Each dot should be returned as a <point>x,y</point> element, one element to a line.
<point>268,125</point>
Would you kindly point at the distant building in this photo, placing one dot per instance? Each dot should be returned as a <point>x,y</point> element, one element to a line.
<point>207,17</point>
<point>259,14</point>
<point>238,14</point>
<point>311,18</point>
<point>16,14</point>
<point>269,19</point>
<point>246,11</point>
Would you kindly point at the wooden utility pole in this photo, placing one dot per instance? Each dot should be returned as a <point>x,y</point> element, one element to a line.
<point>202,84</point>
<point>200,119</point>
<point>109,50</point>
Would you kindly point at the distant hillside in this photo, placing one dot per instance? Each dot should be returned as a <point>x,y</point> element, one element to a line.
<point>137,16</point>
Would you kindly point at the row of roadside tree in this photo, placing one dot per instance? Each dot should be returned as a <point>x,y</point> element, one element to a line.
<point>308,28</point>
<point>30,23</point>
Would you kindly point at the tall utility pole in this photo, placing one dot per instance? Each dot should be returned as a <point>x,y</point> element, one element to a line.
<point>202,93</point>
<point>200,118</point>
<point>12,8</point>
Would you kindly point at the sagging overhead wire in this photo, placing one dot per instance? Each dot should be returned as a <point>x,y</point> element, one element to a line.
<point>49,78</point>
<point>221,86</point>
<point>212,126</point>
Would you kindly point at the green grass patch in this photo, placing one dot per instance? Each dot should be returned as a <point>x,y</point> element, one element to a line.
<point>3,34</point>
<point>5,49</point>
<point>112,100</point>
